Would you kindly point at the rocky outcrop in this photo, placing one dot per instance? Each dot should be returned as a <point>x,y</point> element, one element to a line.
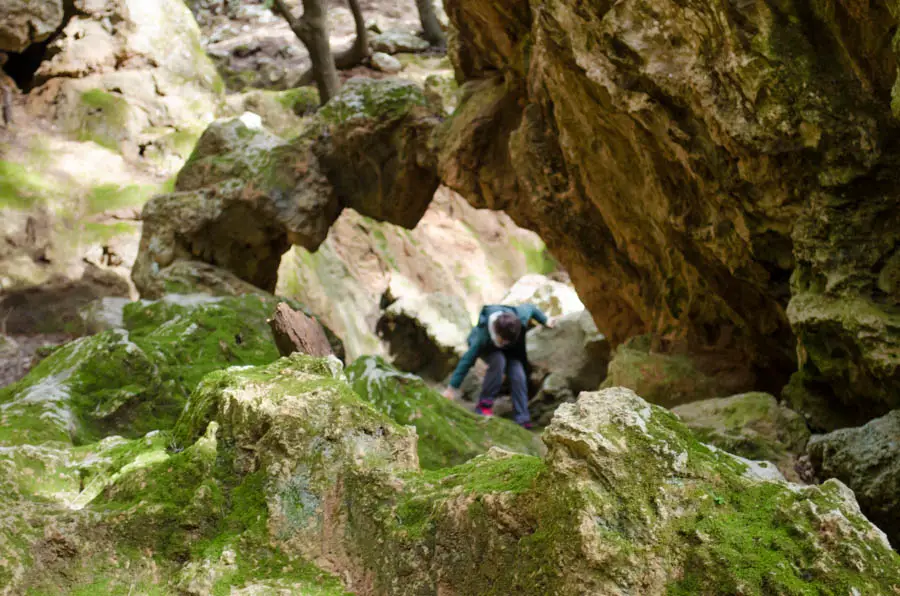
<point>456,250</point>
<point>142,87</point>
<point>425,333</point>
<point>23,23</point>
<point>752,425</point>
<point>281,476</point>
<point>111,107</point>
<point>246,195</point>
<point>737,188</point>
<point>566,360</point>
<point>448,434</point>
<point>671,379</point>
<point>867,458</point>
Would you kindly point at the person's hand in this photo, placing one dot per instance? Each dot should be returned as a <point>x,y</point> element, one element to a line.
<point>450,393</point>
<point>551,323</point>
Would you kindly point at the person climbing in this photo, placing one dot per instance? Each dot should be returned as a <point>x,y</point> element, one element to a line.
<point>499,340</point>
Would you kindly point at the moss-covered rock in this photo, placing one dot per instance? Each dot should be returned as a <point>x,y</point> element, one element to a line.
<point>246,195</point>
<point>752,425</point>
<point>448,434</point>
<point>670,379</point>
<point>867,458</point>
<point>278,476</point>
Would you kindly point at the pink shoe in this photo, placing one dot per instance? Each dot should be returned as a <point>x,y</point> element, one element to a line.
<point>485,411</point>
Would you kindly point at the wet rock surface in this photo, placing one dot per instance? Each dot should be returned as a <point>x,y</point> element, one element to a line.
<point>867,459</point>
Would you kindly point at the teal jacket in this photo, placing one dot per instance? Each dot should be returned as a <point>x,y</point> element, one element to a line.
<point>480,337</point>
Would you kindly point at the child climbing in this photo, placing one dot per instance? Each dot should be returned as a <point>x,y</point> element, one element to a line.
<point>499,340</point>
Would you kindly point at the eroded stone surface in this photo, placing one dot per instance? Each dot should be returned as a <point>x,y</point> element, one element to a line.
<point>867,458</point>
<point>682,165</point>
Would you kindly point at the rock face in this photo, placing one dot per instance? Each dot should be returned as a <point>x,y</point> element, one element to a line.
<point>868,460</point>
<point>473,254</point>
<point>112,105</point>
<point>425,333</point>
<point>566,360</point>
<point>143,87</point>
<point>752,425</point>
<point>738,185</point>
<point>23,23</point>
<point>672,379</point>
<point>246,195</point>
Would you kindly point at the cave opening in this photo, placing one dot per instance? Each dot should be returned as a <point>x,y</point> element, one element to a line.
<point>22,67</point>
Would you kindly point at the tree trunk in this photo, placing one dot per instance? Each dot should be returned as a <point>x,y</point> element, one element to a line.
<point>295,332</point>
<point>355,54</point>
<point>434,33</point>
<point>312,29</point>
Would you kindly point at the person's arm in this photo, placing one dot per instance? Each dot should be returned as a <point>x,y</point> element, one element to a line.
<point>465,363</point>
<point>539,316</point>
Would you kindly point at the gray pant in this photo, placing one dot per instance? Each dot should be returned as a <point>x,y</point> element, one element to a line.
<point>499,362</point>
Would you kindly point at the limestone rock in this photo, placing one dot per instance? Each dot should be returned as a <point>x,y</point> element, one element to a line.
<point>282,112</point>
<point>725,161</point>
<point>474,254</point>
<point>426,333</point>
<point>140,87</point>
<point>104,314</point>
<point>553,297</point>
<point>22,23</point>
<point>448,434</point>
<point>672,379</point>
<point>394,41</point>
<point>380,132</point>
<point>752,425</point>
<point>386,63</point>
<point>867,459</point>
<point>246,195</point>
<point>55,307</point>
<point>566,360</point>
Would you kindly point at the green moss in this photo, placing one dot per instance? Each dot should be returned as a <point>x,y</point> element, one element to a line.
<point>537,257</point>
<point>103,119</point>
<point>22,189</point>
<point>367,98</point>
<point>302,101</point>
<point>448,434</point>
<point>193,341</point>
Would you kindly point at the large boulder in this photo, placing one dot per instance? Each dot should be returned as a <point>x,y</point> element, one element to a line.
<point>752,425</point>
<point>553,297</point>
<point>474,254</point>
<point>246,195</point>
<point>739,163</point>
<point>136,378</point>
<point>23,23</point>
<point>448,434</point>
<point>280,478</point>
<point>566,360</point>
<point>668,379</point>
<point>867,459</point>
<point>130,76</point>
<point>425,333</point>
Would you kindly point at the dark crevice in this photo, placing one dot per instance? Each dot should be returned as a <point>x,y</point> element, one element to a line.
<point>22,67</point>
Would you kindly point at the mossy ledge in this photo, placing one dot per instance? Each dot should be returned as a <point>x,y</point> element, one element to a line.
<point>280,476</point>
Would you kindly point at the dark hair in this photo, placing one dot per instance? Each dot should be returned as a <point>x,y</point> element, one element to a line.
<point>507,326</point>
